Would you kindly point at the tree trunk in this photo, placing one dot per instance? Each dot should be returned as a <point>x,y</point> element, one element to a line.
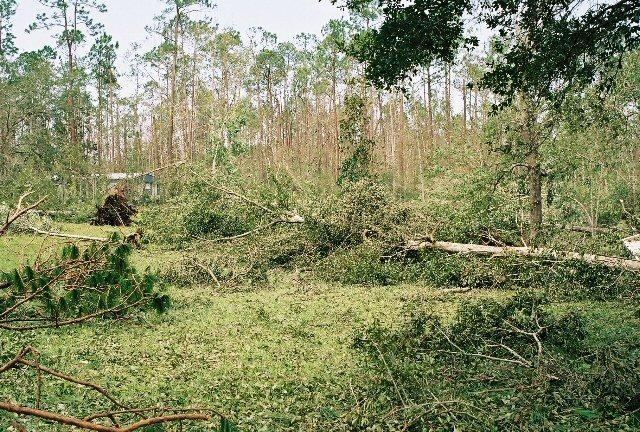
<point>447,101</point>
<point>174,72</point>
<point>496,251</point>
<point>535,171</point>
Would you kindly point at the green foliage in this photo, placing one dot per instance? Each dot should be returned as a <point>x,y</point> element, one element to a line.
<point>542,49</point>
<point>205,211</point>
<point>354,142</point>
<point>361,211</point>
<point>529,364</point>
<point>77,285</point>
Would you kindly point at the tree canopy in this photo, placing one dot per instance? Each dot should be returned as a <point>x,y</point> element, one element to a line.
<point>541,47</point>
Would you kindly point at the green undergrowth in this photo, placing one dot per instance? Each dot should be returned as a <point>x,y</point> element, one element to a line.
<point>283,359</point>
<point>518,364</point>
<point>356,235</point>
<point>278,354</point>
<point>277,359</point>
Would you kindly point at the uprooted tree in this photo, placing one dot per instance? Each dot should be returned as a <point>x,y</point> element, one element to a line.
<point>115,211</point>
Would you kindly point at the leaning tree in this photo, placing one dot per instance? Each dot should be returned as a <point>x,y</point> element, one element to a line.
<point>543,49</point>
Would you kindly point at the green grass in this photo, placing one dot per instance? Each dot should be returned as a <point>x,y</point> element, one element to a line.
<point>19,249</point>
<point>274,359</point>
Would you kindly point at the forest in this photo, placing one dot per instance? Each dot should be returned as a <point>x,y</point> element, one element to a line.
<point>425,217</point>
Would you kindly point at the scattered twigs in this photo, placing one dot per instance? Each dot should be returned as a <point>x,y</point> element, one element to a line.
<point>158,415</point>
<point>21,359</point>
<point>390,373</point>
<point>535,335</point>
<point>517,358</point>
<point>20,211</point>
<point>209,271</point>
<point>57,418</point>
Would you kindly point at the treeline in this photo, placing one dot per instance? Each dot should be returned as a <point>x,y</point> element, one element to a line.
<point>204,90</point>
<point>205,93</point>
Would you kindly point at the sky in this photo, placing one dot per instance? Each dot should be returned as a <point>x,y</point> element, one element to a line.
<point>126,19</point>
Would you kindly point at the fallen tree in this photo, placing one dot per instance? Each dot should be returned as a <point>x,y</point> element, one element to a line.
<point>133,238</point>
<point>502,251</point>
<point>116,210</point>
<point>137,418</point>
<point>68,236</point>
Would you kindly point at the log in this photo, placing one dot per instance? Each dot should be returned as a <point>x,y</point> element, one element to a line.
<point>497,251</point>
<point>591,230</point>
<point>633,245</point>
<point>68,236</point>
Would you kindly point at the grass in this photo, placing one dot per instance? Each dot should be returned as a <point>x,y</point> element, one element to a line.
<point>275,359</point>
<point>20,248</point>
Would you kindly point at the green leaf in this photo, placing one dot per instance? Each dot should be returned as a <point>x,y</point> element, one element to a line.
<point>587,414</point>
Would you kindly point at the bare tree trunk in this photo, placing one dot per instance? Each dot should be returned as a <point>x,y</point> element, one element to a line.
<point>71,106</point>
<point>535,171</point>
<point>174,73</point>
<point>464,109</point>
<point>429,102</point>
<point>447,101</point>
<point>496,251</point>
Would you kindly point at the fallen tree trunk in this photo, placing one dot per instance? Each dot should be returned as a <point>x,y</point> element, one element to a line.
<point>68,236</point>
<point>591,230</point>
<point>463,248</point>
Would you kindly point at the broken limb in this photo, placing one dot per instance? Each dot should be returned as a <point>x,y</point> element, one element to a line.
<point>158,415</point>
<point>20,211</point>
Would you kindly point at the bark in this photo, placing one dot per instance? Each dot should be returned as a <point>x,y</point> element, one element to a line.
<point>591,230</point>
<point>174,73</point>
<point>86,425</point>
<point>535,171</point>
<point>464,109</point>
<point>497,251</point>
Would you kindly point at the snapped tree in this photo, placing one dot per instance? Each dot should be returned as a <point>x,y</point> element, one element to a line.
<point>542,49</point>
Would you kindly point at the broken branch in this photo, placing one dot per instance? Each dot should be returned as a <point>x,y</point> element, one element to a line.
<point>68,236</point>
<point>20,211</point>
